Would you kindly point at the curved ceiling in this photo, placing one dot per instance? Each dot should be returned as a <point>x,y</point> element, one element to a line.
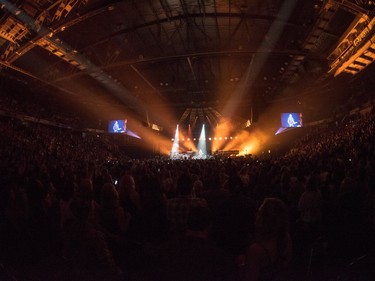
<point>155,58</point>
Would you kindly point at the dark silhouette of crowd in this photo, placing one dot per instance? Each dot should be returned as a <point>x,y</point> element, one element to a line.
<point>75,207</point>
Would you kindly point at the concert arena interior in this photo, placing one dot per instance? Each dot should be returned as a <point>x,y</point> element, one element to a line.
<point>160,140</point>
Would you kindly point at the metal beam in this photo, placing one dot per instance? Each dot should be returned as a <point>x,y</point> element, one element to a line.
<point>272,19</point>
<point>55,29</point>
<point>146,80</point>
<point>203,54</point>
<point>191,68</point>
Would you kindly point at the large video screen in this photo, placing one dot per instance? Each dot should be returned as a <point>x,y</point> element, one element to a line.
<point>117,126</point>
<point>291,120</point>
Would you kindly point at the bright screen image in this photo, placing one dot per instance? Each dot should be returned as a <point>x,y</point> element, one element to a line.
<point>117,126</point>
<point>291,120</point>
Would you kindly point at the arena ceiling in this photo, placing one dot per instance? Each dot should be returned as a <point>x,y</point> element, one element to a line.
<point>162,57</point>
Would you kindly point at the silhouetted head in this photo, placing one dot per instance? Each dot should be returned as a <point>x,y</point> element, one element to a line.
<point>272,219</point>
<point>185,184</point>
<point>109,195</point>
<point>199,218</point>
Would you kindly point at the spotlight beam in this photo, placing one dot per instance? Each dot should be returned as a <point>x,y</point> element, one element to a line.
<point>258,59</point>
<point>202,146</point>
<point>175,146</point>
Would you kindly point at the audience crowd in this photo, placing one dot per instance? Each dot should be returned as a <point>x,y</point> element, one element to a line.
<point>75,207</point>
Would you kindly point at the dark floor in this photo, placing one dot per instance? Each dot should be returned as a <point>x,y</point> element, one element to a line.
<point>337,258</point>
<point>319,265</point>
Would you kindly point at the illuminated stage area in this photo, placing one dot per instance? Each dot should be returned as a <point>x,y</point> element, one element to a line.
<point>192,155</point>
<point>230,138</point>
<point>187,145</point>
<point>202,148</point>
